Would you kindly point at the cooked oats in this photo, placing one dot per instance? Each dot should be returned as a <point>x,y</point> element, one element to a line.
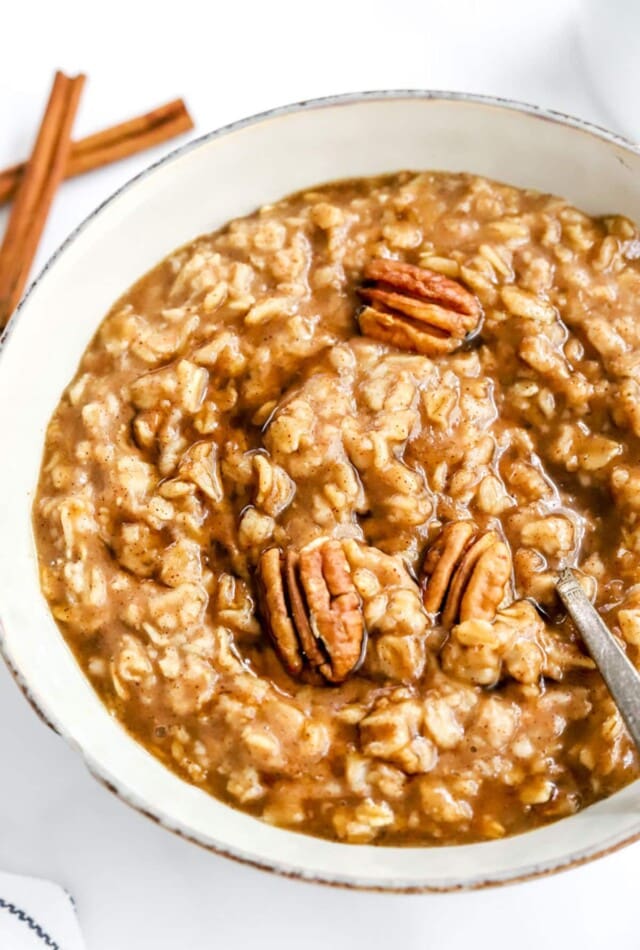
<point>229,405</point>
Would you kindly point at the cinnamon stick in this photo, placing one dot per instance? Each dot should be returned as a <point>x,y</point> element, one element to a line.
<point>112,144</point>
<point>43,173</point>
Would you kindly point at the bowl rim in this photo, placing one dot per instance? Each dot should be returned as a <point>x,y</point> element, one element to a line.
<point>118,787</point>
<point>321,102</point>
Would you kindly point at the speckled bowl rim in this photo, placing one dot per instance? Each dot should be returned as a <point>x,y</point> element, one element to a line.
<point>528,871</point>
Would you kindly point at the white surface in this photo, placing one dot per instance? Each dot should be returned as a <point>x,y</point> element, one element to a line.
<point>35,914</point>
<point>610,34</point>
<point>135,885</point>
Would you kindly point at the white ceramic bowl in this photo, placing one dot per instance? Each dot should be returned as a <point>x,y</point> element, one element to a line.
<point>195,190</point>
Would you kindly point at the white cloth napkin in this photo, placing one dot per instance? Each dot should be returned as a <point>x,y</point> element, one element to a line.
<point>36,915</point>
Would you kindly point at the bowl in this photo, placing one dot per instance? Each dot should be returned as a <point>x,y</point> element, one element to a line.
<point>195,190</point>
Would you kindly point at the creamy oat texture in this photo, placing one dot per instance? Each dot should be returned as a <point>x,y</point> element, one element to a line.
<point>228,403</point>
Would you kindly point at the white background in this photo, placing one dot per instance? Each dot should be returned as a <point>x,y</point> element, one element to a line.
<point>135,885</point>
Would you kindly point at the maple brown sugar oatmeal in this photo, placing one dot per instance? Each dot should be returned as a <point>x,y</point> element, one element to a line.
<point>302,508</point>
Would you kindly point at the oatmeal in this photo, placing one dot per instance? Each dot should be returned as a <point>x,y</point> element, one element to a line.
<point>302,509</point>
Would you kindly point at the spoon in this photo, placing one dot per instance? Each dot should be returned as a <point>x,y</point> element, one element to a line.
<point>620,675</point>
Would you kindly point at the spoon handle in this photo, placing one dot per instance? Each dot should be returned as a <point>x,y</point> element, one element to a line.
<point>617,671</point>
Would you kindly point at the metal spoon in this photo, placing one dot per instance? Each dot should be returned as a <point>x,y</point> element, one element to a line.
<point>617,671</point>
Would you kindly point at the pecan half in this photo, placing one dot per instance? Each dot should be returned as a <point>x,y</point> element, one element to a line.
<point>274,608</point>
<point>312,610</point>
<point>465,573</point>
<point>416,309</point>
<point>441,561</point>
<point>487,583</point>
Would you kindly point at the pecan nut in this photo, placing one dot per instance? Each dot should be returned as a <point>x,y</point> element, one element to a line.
<point>465,574</point>
<point>312,610</point>
<point>416,309</point>
<point>274,608</point>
